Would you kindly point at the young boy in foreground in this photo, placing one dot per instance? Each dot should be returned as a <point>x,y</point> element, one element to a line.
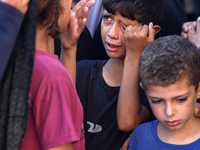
<point>170,75</point>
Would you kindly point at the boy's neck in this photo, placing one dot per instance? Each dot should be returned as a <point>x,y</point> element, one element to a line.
<point>112,72</point>
<point>188,134</point>
<point>44,42</point>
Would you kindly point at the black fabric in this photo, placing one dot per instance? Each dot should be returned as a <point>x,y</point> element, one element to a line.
<point>85,46</point>
<point>173,17</point>
<point>100,106</point>
<point>11,19</point>
<point>15,84</point>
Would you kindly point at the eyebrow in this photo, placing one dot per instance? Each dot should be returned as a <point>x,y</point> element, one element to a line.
<point>179,96</point>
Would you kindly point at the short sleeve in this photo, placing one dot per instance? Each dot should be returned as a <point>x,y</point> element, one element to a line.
<point>55,113</point>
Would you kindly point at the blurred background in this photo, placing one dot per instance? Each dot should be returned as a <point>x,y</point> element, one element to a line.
<point>192,8</point>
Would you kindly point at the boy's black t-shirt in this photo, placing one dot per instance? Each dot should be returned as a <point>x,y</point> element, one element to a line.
<point>100,107</point>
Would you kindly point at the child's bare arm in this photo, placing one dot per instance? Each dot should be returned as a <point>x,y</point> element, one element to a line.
<point>69,39</point>
<point>130,112</point>
<point>21,5</point>
<point>126,143</point>
<point>68,146</point>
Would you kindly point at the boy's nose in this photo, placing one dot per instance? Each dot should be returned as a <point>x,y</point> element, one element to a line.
<point>169,110</point>
<point>114,31</point>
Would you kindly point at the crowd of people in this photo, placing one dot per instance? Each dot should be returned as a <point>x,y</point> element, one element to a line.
<point>127,79</point>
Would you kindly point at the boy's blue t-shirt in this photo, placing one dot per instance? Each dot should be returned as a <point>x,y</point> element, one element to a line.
<point>145,137</point>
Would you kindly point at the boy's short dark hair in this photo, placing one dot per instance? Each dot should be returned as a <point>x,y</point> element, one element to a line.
<point>144,11</point>
<point>169,59</point>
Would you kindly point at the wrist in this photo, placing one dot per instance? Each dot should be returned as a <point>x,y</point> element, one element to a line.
<point>69,52</point>
<point>133,57</point>
<point>132,61</point>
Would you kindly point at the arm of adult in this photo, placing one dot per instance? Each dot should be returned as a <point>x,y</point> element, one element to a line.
<point>131,112</point>
<point>69,39</point>
<point>12,14</point>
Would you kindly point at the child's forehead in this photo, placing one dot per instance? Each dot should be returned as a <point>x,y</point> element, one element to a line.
<point>114,13</point>
<point>124,20</point>
<point>182,85</point>
<point>124,14</point>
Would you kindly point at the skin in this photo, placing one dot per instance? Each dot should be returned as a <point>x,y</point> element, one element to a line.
<point>191,31</point>
<point>113,27</point>
<point>174,107</point>
<point>112,33</point>
<point>68,146</point>
<point>21,5</point>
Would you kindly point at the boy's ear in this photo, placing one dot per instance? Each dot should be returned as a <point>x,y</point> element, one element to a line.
<point>198,91</point>
<point>157,28</point>
<point>141,85</point>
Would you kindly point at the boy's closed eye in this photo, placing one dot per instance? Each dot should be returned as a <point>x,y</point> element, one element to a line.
<point>181,100</point>
<point>123,26</point>
<point>156,101</point>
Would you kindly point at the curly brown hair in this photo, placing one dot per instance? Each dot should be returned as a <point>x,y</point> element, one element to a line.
<point>48,12</point>
<point>169,59</point>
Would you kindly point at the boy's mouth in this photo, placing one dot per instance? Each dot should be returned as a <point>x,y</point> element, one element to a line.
<point>172,123</point>
<point>111,47</point>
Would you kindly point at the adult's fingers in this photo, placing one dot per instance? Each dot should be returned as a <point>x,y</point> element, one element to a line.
<point>83,3</point>
<point>152,32</point>
<point>198,26</point>
<point>82,8</point>
<point>183,34</point>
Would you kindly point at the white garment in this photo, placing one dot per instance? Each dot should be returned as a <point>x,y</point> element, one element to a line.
<point>94,17</point>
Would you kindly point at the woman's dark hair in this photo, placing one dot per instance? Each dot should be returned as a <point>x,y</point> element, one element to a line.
<point>48,15</point>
